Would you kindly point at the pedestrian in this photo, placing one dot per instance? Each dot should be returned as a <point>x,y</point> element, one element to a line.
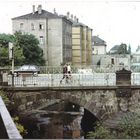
<point>69,70</point>
<point>64,73</point>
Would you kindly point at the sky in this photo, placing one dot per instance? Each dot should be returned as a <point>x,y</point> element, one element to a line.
<point>114,21</point>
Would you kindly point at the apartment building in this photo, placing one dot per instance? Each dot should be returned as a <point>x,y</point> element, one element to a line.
<point>54,33</point>
<point>81,43</point>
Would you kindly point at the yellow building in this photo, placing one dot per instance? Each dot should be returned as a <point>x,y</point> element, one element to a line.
<point>81,44</point>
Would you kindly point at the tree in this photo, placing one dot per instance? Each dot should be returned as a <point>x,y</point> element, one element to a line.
<point>4,50</point>
<point>4,39</point>
<point>4,60</point>
<point>121,49</point>
<point>32,52</point>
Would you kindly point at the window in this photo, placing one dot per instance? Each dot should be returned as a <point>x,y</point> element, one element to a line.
<point>21,25</point>
<point>41,26</point>
<point>32,26</point>
<point>112,61</point>
<point>41,40</point>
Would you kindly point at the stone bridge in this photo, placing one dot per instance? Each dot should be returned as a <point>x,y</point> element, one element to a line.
<point>103,102</point>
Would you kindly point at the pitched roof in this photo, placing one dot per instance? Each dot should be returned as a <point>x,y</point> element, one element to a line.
<point>115,49</point>
<point>98,41</point>
<point>77,24</point>
<point>36,15</point>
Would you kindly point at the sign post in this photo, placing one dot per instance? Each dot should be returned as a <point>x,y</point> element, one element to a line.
<point>11,57</point>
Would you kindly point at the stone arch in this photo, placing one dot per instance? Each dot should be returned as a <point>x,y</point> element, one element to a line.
<point>98,102</point>
<point>91,105</point>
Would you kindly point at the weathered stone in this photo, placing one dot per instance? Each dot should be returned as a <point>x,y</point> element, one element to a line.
<point>94,99</point>
<point>22,107</point>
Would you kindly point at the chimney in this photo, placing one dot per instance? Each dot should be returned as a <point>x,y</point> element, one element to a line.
<point>54,10</point>
<point>33,9</point>
<point>68,15</point>
<point>39,9</point>
<point>77,20</point>
<point>72,16</point>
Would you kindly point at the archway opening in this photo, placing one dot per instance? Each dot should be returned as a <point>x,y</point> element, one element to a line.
<point>88,122</point>
<point>67,118</point>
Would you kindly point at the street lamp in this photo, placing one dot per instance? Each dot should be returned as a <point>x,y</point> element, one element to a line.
<point>11,57</point>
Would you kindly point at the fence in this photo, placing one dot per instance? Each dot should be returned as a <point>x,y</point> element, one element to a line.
<point>50,80</point>
<point>77,69</point>
<point>53,80</point>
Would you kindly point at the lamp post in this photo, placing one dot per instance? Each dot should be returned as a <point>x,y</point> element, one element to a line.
<point>11,57</point>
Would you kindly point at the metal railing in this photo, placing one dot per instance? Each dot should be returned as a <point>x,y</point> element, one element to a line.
<point>76,69</point>
<point>53,80</point>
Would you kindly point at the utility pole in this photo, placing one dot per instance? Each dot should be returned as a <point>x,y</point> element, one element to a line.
<point>11,57</point>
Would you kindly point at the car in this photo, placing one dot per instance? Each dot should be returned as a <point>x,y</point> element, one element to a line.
<point>27,69</point>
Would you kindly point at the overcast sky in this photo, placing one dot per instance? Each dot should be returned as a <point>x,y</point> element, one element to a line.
<point>115,21</point>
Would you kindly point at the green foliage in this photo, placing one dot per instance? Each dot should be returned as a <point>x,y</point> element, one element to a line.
<point>100,132</point>
<point>32,52</point>
<point>19,126</point>
<point>4,50</point>
<point>18,56</point>
<point>130,126</point>
<point>4,60</point>
<point>5,98</point>
<point>26,49</point>
<point>122,49</point>
<point>7,102</point>
<point>4,40</point>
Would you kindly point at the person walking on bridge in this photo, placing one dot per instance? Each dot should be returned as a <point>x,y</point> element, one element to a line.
<point>65,71</point>
<point>69,70</point>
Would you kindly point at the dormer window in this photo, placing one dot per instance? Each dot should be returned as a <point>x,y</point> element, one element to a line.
<point>41,26</point>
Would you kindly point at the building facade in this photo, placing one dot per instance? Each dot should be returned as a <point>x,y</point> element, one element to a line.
<point>98,45</point>
<point>81,44</point>
<point>53,32</point>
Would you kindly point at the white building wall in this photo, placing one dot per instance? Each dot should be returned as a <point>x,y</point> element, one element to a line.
<point>112,60</point>
<point>55,37</point>
<point>55,41</point>
<point>27,27</point>
<point>99,50</point>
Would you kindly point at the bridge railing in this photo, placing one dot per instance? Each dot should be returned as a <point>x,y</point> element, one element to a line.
<point>135,79</point>
<point>75,69</point>
<point>8,124</point>
<point>50,80</point>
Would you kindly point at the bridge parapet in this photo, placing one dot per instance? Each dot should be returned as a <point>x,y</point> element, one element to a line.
<point>10,129</point>
<point>81,80</point>
<point>100,101</point>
